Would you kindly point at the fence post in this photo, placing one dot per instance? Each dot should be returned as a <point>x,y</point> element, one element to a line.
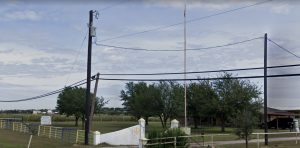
<point>44,131</point>
<point>39,130</point>
<point>55,133</point>
<point>50,132</point>
<point>257,135</point>
<point>0,123</point>
<point>76,141</point>
<point>174,123</point>
<point>296,138</point>
<point>13,126</point>
<point>21,127</point>
<point>212,140</point>
<point>142,132</point>
<point>175,141</point>
<point>96,138</point>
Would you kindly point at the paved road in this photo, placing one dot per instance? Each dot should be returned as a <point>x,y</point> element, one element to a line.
<point>228,142</point>
<point>251,141</point>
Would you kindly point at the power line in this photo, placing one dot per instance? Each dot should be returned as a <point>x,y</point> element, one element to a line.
<point>198,79</point>
<point>76,58</point>
<point>188,21</point>
<point>145,49</point>
<point>281,47</point>
<point>81,82</point>
<point>199,72</point>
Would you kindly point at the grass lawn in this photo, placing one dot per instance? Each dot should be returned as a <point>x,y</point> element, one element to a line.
<point>10,139</point>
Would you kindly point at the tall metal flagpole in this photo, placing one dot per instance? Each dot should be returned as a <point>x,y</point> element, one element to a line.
<point>185,102</point>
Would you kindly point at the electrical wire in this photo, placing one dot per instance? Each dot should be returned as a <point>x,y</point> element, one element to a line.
<point>79,83</point>
<point>198,79</point>
<point>199,72</point>
<point>76,58</point>
<point>188,21</point>
<point>284,49</point>
<point>211,47</point>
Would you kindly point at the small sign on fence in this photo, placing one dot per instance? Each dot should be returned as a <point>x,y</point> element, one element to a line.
<point>45,120</point>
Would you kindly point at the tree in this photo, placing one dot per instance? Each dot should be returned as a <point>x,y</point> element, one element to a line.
<point>201,100</point>
<point>139,99</point>
<point>233,96</point>
<point>170,101</point>
<point>163,99</point>
<point>71,102</point>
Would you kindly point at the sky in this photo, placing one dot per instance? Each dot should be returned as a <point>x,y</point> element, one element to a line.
<point>43,44</point>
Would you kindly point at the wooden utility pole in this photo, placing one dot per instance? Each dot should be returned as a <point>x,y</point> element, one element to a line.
<point>266,88</point>
<point>88,84</point>
<point>94,99</point>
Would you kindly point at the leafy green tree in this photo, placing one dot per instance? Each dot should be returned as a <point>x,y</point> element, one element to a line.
<point>201,100</point>
<point>71,102</point>
<point>170,101</point>
<point>139,99</point>
<point>233,96</point>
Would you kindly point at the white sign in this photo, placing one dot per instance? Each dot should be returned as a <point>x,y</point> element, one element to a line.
<point>46,120</point>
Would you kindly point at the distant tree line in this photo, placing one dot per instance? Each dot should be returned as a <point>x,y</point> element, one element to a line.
<point>226,99</point>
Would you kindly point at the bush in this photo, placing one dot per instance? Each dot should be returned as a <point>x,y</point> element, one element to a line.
<point>167,136</point>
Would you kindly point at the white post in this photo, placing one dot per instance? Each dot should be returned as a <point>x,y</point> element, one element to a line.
<point>96,137</point>
<point>257,140</point>
<point>21,127</point>
<point>174,123</point>
<point>77,134</point>
<point>212,140</point>
<point>28,146</point>
<point>296,138</point>
<point>50,132</point>
<point>39,130</point>
<point>55,133</point>
<point>142,132</point>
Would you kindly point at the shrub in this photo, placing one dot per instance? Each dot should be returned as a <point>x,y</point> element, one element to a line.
<point>167,136</point>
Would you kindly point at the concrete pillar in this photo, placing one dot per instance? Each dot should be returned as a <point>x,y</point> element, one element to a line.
<point>174,123</point>
<point>96,138</point>
<point>142,139</point>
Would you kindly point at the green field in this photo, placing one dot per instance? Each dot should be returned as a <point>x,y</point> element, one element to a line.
<point>11,139</point>
<point>8,138</point>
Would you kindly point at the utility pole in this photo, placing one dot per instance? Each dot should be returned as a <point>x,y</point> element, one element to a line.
<point>88,79</point>
<point>266,88</point>
<point>94,99</point>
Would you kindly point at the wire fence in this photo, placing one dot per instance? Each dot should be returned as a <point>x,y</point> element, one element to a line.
<point>284,139</point>
<point>69,135</point>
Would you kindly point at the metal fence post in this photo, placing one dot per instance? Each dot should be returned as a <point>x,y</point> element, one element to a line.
<point>212,140</point>
<point>21,127</point>
<point>76,141</point>
<point>257,135</point>
<point>175,142</point>
<point>50,129</point>
<point>55,133</point>
<point>296,138</point>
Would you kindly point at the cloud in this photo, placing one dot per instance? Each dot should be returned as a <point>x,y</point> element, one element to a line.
<point>21,15</point>
<point>281,9</point>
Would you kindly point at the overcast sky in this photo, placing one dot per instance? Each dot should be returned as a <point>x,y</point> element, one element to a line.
<point>40,44</point>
